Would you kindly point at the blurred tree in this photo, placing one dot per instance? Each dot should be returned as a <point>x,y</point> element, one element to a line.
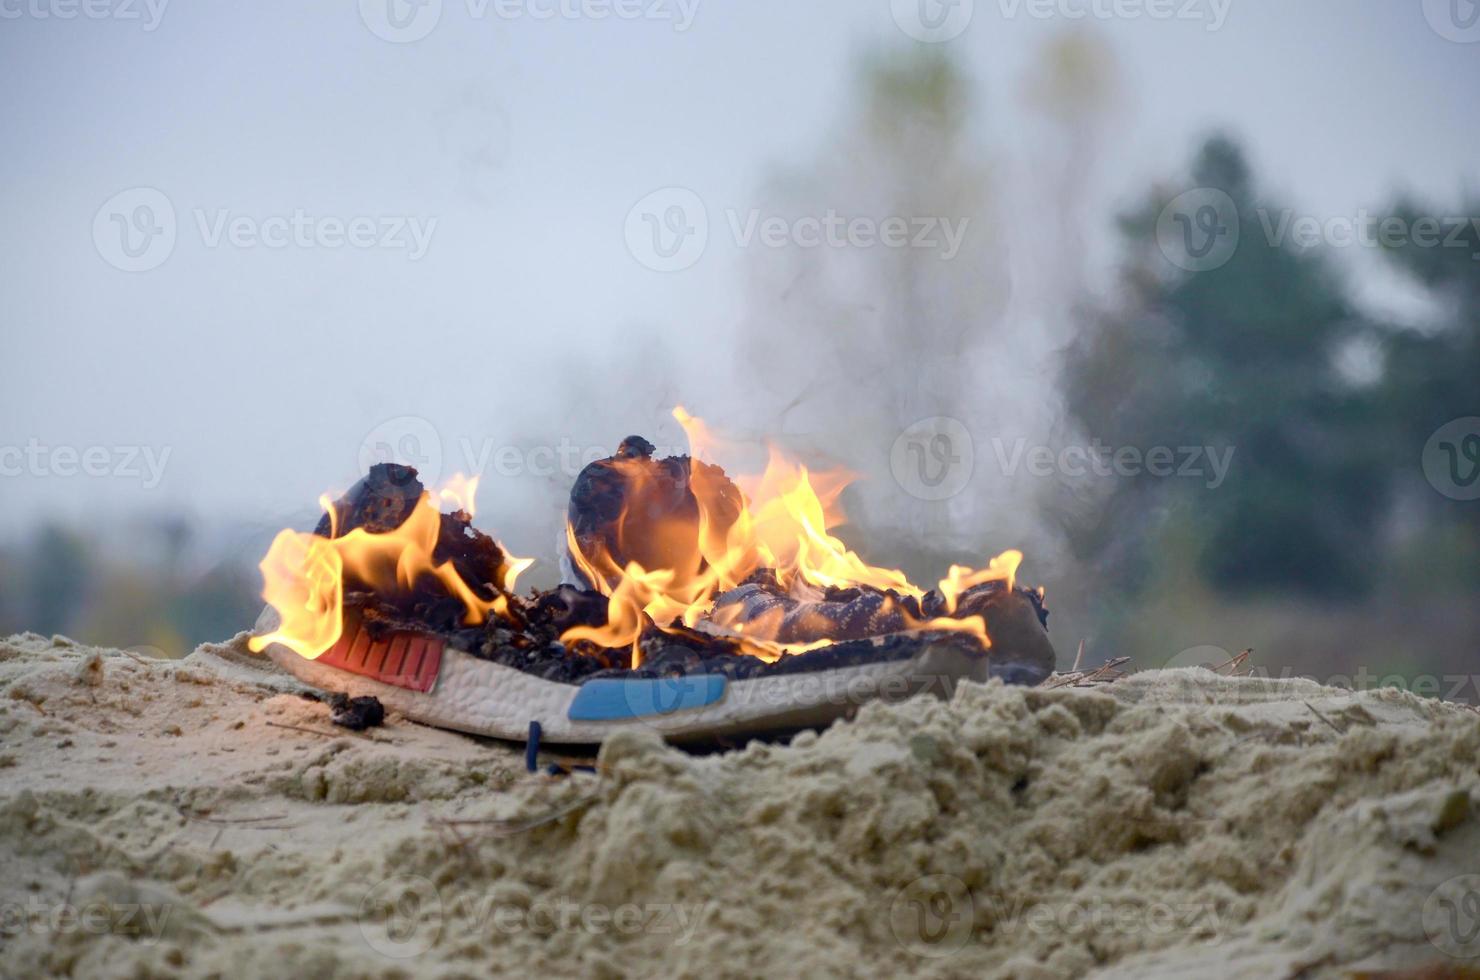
<point>1432,376</point>
<point>10,597</point>
<point>60,580</point>
<point>1239,355</point>
<point>216,605</point>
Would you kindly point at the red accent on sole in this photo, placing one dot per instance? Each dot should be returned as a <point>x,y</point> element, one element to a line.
<point>408,660</point>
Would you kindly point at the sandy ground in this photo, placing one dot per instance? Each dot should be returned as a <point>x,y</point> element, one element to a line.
<point>201,818</point>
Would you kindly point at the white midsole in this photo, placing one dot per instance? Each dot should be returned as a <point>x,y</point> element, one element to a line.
<point>484,698</point>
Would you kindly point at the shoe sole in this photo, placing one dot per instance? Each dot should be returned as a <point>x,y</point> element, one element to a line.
<point>429,681</point>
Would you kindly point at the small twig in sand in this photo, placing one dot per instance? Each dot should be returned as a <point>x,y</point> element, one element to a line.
<point>191,815</point>
<point>1078,657</point>
<point>1234,665</point>
<point>316,731</point>
<point>1334,727</point>
<point>1107,673</point>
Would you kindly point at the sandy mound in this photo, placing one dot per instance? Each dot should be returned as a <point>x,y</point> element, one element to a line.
<point>159,819</point>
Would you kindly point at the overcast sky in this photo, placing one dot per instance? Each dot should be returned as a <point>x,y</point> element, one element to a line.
<point>492,164</point>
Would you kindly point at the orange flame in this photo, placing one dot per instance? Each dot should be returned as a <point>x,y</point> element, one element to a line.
<point>303,574</point>
<point>676,564</point>
<point>1003,568</point>
<point>784,524</point>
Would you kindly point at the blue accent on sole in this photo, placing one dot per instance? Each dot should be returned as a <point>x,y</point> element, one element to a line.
<point>611,699</point>
<point>532,747</point>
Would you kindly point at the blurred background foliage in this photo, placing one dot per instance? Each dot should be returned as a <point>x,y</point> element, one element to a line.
<point>1325,548</point>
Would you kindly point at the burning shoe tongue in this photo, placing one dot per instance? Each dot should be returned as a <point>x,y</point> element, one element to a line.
<point>631,507</point>
<point>379,503</point>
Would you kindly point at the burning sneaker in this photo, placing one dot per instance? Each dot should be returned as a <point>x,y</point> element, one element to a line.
<point>700,611</point>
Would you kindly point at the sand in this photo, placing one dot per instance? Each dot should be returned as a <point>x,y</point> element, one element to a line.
<point>157,818</point>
